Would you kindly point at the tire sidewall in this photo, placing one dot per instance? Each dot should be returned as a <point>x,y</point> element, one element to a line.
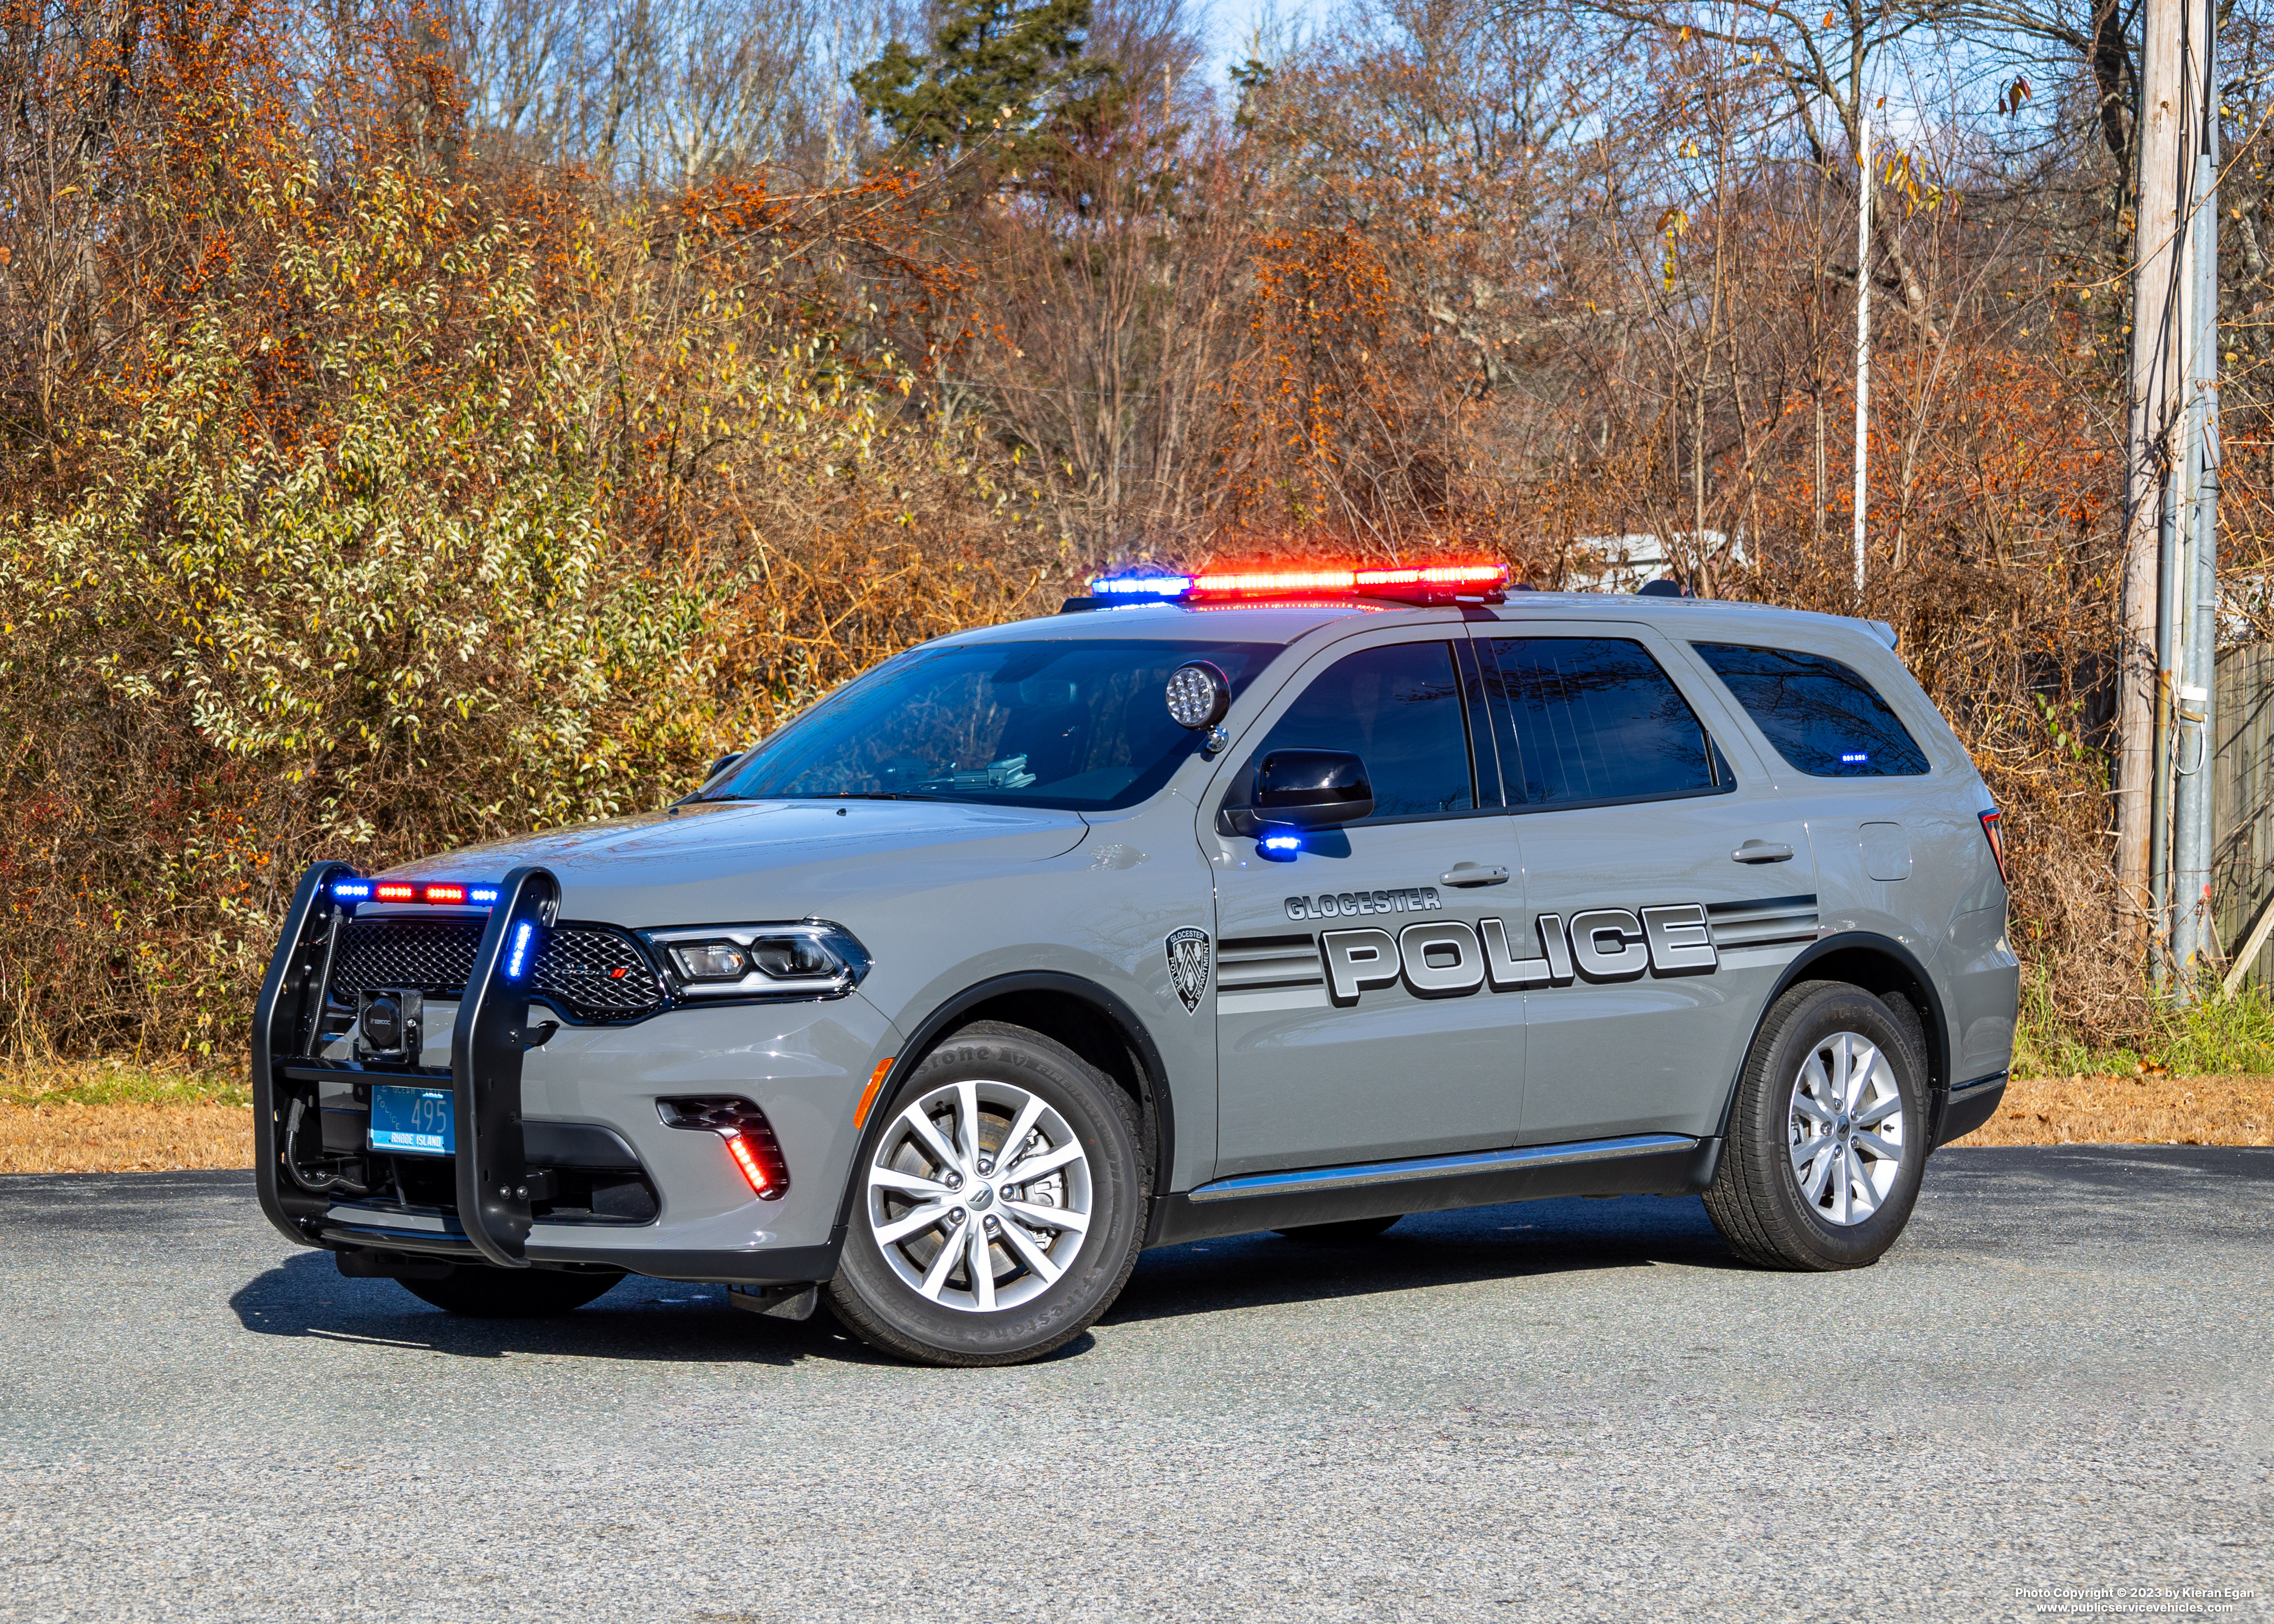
<point>1102,1123</point>
<point>1817,1014</point>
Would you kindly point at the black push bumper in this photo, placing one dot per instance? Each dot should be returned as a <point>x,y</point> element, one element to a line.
<point>493,1219</point>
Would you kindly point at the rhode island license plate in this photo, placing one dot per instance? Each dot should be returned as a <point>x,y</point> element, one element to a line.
<point>417,1120</point>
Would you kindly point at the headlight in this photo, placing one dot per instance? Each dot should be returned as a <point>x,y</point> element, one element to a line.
<point>810,958</point>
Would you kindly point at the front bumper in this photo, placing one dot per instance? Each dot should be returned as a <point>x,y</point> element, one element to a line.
<point>803,1064</point>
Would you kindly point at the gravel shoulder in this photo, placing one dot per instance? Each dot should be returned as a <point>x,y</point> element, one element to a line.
<point>1576,1410</point>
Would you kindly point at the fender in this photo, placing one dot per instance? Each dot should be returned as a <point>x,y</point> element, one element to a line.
<point>920,1042</point>
<point>1938,1021</point>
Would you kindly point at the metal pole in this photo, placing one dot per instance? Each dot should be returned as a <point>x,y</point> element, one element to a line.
<point>2192,926</point>
<point>2167,660</point>
<point>1862,335</point>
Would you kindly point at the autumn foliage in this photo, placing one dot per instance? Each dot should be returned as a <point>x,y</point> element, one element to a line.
<point>399,446</point>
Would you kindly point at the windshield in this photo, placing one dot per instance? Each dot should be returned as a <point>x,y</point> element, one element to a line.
<point>1081,725</point>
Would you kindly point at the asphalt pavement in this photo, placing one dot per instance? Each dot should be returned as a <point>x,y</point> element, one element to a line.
<point>2063,1377</point>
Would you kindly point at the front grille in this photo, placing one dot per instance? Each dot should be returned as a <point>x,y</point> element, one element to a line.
<point>592,972</point>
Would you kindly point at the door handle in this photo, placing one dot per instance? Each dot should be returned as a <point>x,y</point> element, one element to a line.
<point>1474,874</point>
<point>1761,852</point>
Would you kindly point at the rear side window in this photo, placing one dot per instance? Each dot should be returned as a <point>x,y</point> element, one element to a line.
<point>1596,719</point>
<point>1822,717</point>
<point>1399,709</point>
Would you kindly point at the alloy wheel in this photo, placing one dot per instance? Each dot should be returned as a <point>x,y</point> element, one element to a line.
<point>1847,1131</point>
<point>979,1196</point>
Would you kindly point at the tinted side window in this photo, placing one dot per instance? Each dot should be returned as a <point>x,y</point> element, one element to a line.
<point>1822,717</point>
<point>1399,709</point>
<point>1596,719</point>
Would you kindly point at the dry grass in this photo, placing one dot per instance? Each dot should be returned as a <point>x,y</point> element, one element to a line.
<point>2145,1108</point>
<point>119,1116</point>
<point>70,1138</point>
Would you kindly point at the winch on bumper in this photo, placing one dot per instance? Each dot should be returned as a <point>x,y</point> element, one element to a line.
<point>592,1126</point>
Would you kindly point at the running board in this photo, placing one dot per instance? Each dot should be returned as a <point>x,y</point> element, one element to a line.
<point>1644,1164</point>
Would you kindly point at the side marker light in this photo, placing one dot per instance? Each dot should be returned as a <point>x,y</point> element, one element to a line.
<point>869,1094</point>
<point>1280,846</point>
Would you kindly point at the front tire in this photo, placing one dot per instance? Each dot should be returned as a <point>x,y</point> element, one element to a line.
<point>480,1291</point>
<point>1000,1212</point>
<point>1827,1137</point>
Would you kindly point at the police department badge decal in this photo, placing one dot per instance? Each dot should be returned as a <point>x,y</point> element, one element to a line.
<point>1188,966</point>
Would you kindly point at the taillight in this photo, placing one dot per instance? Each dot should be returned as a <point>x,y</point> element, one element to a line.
<point>1989,827</point>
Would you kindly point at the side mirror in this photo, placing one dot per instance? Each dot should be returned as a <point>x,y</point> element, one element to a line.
<point>721,765</point>
<point>1312,789</point>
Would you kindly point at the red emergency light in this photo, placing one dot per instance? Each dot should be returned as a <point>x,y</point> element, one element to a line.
<point>1297,582</point>
<point>441,893</point>
<point>1436,583</point>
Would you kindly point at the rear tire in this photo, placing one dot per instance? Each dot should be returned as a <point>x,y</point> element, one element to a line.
<point>481,1292</point>
<point>1000,1212</point>
<point>1827,1136</point>
<point>1342,1233</point>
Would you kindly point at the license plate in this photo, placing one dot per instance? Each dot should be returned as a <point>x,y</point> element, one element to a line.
<point>418,1121</point>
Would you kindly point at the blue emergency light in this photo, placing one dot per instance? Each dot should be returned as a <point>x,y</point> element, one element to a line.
<point>1141,583</point>
<point>517,956</point>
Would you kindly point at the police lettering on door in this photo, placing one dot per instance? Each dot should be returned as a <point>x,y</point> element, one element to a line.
<point>1447,958</point>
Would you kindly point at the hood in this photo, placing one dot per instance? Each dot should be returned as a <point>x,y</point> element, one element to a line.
<point>712,861</point>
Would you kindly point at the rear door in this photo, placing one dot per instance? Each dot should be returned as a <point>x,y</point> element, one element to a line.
<point>1666,882</point>
<point>1354,1018</point>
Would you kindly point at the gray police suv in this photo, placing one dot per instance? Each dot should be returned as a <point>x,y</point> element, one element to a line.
<point>1295,901</point>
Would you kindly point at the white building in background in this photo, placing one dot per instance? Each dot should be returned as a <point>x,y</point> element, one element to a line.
<point>1622,563</point>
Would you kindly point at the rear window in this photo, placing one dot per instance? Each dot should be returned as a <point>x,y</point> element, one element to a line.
<point>1594,719</point>
<point>1822,717</point>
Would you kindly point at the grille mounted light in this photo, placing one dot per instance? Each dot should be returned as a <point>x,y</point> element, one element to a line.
<point>517,954</point>
<point>438,893</point>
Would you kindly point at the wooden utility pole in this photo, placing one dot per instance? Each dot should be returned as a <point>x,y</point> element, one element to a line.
<point>1863,185</point>
<point>2153,408</point>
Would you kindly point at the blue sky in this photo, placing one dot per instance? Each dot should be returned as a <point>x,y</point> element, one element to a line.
<point>1235,20</point>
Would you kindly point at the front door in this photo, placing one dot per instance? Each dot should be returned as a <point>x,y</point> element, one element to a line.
<point>1355,1021</point>
<point>1666,888</point>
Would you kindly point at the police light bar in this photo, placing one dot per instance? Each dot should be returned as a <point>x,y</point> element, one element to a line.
<point>1139,584</point>
<point>1419,583</point>
<point>441,893</point>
